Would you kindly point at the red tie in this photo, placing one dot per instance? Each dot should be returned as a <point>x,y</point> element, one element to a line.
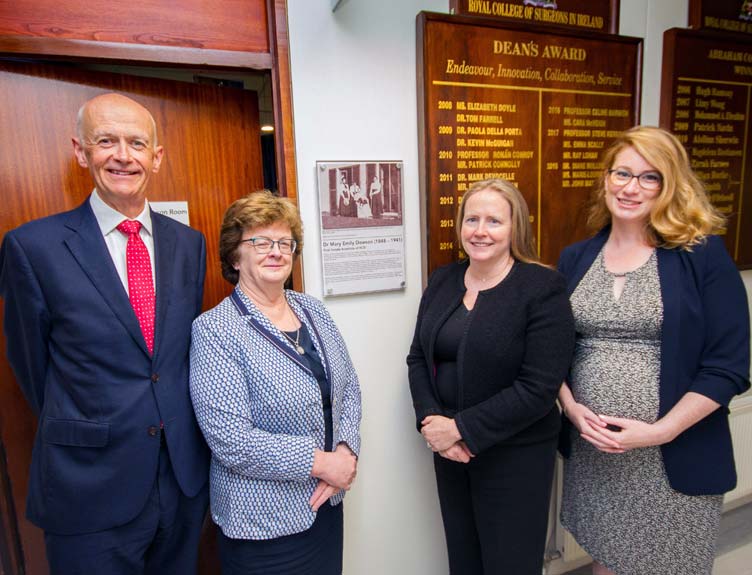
<point>140,284</point>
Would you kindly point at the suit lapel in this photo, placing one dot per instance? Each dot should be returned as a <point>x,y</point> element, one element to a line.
<point>164,256</point>
<point>258,322</point>
<point>669,274</point>
<point>88,248</point>
<point>318,341</point>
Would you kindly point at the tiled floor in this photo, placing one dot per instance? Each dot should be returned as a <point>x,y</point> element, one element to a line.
<point>736,562</point>
<point>734,545</point>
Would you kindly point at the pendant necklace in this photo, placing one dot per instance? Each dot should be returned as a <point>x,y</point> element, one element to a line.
<point>501,275</point>
<point>295,342</point>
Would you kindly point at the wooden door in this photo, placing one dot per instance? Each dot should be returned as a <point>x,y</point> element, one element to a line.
<point>212,157</point>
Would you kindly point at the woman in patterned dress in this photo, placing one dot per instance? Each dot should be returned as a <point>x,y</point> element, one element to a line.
<point>277,399</point>
<point>662,346</point>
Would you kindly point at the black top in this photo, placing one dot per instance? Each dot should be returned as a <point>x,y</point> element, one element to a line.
<point>511,360</point>
<point>445,353</point>
<point>313,361</point>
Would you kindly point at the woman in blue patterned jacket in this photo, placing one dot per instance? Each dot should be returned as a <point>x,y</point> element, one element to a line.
<point>278,401</point>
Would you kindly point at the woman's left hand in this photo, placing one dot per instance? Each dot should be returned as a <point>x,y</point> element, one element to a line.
<point>440,432</point>
<point>458,452</point>
<point>634,433</point>
<point>322,494</point>
<point>338,467</point>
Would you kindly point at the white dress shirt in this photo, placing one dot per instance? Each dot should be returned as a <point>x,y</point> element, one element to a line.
<point>108,220</point>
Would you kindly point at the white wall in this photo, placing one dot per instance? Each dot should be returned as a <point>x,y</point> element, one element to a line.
<point>648,19</point>
<point>354,94</point>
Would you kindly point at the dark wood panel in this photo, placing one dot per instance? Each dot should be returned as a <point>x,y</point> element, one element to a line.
<point>11,555</point>
<point>727,15</point>
<point>706,100</point>
<point>212,157</point>
<point>69,50</point>
<point>594,15</point>
<point>18,425</point>
<point>524,104</point>
<point>227,25</point>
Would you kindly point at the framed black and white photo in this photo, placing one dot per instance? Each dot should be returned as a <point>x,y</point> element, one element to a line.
<point>362,230</point>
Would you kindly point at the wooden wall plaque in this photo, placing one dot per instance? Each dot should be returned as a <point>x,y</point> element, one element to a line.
<point>727,15</point>
<point>706,94</point>
<point>529,106</point>
<point>594,15</point>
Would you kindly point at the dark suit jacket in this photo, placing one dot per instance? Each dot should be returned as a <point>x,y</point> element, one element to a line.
<point>513,356</point>
<point>78,354</point>
<point>704,348</point>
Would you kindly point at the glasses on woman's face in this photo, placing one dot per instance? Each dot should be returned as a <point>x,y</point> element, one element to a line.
<point>651,181</point>
<point>264,245</point>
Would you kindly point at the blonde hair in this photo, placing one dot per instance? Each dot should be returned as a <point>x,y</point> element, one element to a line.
<point>522,243</point>
<point>255,210</point>
<point>682,215</point>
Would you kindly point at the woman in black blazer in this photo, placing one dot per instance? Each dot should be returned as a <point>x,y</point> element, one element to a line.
<point>493,341</point>
<point>662,346</point>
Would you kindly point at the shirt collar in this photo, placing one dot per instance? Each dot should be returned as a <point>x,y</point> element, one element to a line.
<point>108,218</point>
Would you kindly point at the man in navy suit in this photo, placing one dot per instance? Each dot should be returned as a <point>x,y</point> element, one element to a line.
<point>119,470</point>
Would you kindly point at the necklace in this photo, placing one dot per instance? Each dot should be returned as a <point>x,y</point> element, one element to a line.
<point>496,276</point>
<point>295,342</point>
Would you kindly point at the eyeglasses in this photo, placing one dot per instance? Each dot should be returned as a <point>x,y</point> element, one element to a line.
<point>264,245</point>
<point>648,180</point>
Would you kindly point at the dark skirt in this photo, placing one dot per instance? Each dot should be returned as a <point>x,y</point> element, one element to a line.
<point>377,205</point>
<point>316,551</point>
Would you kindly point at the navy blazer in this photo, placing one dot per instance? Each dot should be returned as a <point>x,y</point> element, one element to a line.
<point>704,349</point>
<point>78,354</point>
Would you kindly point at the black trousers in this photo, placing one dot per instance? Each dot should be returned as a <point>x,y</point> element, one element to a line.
<point>495,509</point>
